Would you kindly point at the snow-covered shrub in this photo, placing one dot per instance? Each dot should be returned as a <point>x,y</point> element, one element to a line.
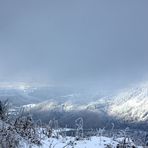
<point>20,126</point>
<point>4,107</point>
<point>79,128</point>
<point>8,136</point>
<point>47,131</point>
<point>26,128</point>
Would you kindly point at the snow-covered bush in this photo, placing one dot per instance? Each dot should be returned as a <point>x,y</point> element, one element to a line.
<point>19,127</point>
<point>47,131</point>
<point>26,128</point>
<point>4,107</point>
<point>79,128</point>
<point>8,136</point>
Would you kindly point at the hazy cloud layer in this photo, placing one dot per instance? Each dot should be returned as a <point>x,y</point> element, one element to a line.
<point>78,42</point>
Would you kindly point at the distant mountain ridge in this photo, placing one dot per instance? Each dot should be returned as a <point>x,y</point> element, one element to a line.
<point>130,104</point>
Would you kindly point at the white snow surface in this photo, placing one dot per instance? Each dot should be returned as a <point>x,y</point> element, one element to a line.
<point>92,142</point>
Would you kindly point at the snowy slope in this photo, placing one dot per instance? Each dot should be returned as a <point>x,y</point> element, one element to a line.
<point>131,104</point>
<point>66,141</point>
<point>94,142</point>
<point>69,142</point>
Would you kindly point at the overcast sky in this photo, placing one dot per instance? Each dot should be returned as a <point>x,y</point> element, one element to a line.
<point>74,42</point>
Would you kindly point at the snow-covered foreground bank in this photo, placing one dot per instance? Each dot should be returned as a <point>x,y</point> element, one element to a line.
<point>93,142</point>
<point>22,132</point>
<point>47,138</point>
<point>70,142</point>
<point>43,139</point>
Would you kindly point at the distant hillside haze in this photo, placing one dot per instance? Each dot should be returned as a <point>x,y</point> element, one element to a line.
<point>129,104</point>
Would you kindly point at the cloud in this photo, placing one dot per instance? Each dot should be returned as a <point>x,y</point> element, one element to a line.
<point>74,42</point>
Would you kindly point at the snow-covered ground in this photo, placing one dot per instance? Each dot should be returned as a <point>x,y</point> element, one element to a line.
<point>70,142</point>
<point>59,140</point>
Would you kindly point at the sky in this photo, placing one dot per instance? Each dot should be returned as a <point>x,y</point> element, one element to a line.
<point>95,43</point>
